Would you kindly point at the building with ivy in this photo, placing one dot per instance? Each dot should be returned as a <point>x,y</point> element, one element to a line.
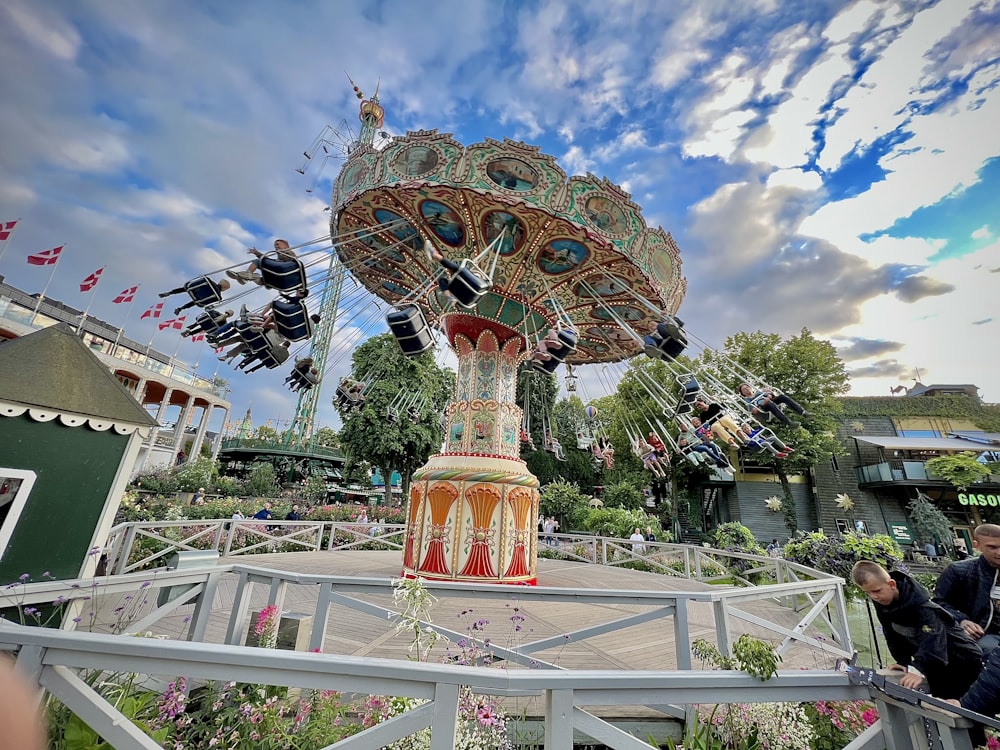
<point>887,443</point>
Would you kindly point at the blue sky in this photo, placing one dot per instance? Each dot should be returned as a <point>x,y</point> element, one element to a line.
<point>825,164</point>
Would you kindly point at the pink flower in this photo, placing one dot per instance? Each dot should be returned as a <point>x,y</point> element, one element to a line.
<point>870,716</point>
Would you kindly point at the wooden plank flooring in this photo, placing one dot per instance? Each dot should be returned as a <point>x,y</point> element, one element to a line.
<point>645,646</point>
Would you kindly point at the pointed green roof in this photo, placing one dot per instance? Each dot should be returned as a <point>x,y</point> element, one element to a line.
<point>53,369</point>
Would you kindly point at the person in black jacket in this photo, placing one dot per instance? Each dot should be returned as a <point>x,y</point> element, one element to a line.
<point>970,589</point>
<point>984,695</point>
<point>922,637</point>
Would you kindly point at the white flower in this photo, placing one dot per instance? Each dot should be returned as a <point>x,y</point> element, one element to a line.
<point>844,502</point>
<point>773,503</point>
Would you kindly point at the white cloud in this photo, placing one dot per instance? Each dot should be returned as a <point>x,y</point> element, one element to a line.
<point>44,28</point>
<point>982,233</point>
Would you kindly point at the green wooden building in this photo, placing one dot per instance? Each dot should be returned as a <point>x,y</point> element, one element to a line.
<point>69,436</point>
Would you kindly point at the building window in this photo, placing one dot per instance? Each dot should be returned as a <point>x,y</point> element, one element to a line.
<point>834,464</point>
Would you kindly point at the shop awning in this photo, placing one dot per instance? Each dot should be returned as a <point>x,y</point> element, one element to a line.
<point>923,443</point>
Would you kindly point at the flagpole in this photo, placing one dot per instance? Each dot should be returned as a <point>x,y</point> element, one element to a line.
<point>173,359</point>
<point>121,329</point>
<point>41,296</point>
<point>156,327</point>
<point>86,312</point>
<point>9,234</point>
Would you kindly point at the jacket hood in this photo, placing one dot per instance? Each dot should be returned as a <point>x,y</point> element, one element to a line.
<point>911,593</point>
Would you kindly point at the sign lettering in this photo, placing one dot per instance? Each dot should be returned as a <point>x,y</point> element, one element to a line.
<point>974,499</point>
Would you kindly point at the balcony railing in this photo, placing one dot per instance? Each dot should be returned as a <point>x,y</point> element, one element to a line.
<point>906,470</point>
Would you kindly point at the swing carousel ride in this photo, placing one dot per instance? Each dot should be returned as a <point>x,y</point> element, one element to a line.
<point>514,262</point>
<point>493,246</point>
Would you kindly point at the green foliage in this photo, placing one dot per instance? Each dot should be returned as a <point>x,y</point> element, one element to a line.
<point>315,489</point>
<point>751,655</point>
<point>564,501</point>
<point>192,475</point>
<point>327,437</point>
<point>961,469</point>
<point>809,370</point>
<point>736,537</point>
<point>262,481</point>
<point>617,522</point>
<point>985,416</point>
<point>930,522</point>
<point>403,445</point>
<point>837,555</point>
<point>160,480</point>
<point>623,495</point>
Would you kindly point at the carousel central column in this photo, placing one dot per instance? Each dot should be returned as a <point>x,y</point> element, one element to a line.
<point>473,509</point>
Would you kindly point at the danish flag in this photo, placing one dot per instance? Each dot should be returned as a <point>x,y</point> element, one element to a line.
<point>6,227</point>
<point>91,281</point>
<point>199,337</point>
<point>127,295</point>
<point>153,312</point>
<point>177,323</point>
<point>46,257</point>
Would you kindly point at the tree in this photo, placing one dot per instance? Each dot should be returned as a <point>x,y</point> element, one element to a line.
<point>961,469</point>
<point>565,502</point>
<point>403,445</point>
<point>327,437</point>
<point>806,368</point>
<point>623,495</point>
<point>930,521</point>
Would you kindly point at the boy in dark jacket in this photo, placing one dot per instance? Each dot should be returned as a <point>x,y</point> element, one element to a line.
<point>922,637</point>
<point>970,589</point>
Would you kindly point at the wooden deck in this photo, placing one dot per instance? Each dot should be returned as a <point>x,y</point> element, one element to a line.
<point>645,646</point>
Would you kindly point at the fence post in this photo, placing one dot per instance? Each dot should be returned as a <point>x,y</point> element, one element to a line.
<point>122,562</point>
<point>558,720</point>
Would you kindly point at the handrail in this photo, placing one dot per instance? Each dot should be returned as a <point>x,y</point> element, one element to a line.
<point>49,657</point>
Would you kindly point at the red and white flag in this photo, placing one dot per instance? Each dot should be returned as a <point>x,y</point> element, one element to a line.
<point>177,323</point>
<point>6,227</point>
<point>91,281</point>
<point>153,312</point>
<point>46,257</point>
<point>127,295</point>
<point>198,337</point>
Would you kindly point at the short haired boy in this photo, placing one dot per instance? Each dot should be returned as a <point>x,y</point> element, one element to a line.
<point>923,638</point>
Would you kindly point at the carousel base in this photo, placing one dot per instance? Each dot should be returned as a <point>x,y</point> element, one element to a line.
<point>473,519</point>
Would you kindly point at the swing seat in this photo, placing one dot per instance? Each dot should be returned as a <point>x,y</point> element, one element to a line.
<point>468,284</point>
<point>208,322</point>
<point>691,390</point>
<point>302,380</point>
<point>203,291</point>
<point>410,328</point>
<point>347,400</point>
<point>285,276</point>
<point>255,340</point>
<point>568,338</point>
<point>291,319</point>
<point>672,328</point>
<point>657,347</point>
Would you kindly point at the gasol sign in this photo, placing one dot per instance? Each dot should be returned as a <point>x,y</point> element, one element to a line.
<point>970,499</point>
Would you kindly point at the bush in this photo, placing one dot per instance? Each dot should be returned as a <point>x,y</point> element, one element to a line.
<point>565,502</point>
<point>160,480</point>
<point>262,481</point>
<point>735,537</point>
<point>623,495</point>
<point>618,522</point>
<point>837,555</point>
<point>193,475</point>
